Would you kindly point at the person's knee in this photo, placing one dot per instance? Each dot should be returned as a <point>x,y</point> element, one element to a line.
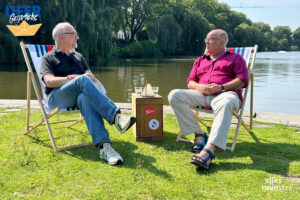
<point>230,102</point>
<point>81,99</point>
<point>85,78</point>
<point>83,81</point>
<point>173,95</point>
<point>226,104</point>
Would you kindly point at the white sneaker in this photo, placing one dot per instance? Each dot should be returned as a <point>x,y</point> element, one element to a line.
<point>109,154</point>
<point>124,122</point>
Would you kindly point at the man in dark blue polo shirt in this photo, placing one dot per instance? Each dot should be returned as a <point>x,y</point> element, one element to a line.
<point>70,82</point>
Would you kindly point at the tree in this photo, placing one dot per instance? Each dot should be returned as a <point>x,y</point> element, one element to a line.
<point>91,18</point>
<point>248,35</point>
<point>142,35</point>
<point>194,30</point>
<point>220,16</point>
<point>135,14</point>
<point>235,18</point>
<point>167,32</point>
<point>265,36</point>
<point>283,35</point>
<point>296,38</point>
<point>177,27</point>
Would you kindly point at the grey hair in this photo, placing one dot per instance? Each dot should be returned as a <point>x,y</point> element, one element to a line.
<point>60,28</point>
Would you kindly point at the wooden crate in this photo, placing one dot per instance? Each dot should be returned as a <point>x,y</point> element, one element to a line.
<point>149,117</point>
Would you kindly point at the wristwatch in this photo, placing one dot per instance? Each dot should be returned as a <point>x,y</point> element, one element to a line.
<point>223,88</point>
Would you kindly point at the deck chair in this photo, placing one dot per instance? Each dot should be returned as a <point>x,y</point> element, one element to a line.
<point>36,52</point>
<point>249,54</point>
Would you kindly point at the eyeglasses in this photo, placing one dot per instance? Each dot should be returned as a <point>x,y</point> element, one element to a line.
<point>72,33</point>
<point>210,39</point>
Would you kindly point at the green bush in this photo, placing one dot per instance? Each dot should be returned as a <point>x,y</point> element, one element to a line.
<point>143,49</point>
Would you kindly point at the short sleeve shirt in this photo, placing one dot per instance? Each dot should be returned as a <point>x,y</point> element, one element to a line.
<point>223,70</point>
<point>60,64</point>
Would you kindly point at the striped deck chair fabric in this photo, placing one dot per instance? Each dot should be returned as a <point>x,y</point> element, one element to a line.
<point>245,52</point>
<point>36,53</point>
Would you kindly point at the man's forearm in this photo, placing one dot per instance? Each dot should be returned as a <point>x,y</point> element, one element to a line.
<point>211,89</point>
<point>195,86</point>
<point>57,81</point>
<point>235,84</point>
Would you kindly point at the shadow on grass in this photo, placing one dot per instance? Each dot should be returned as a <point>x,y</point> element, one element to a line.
<point>269,157</point>
<point>132,159</point>
<point>266,156</point>
<point>170,143</point>
<point>90,153</point>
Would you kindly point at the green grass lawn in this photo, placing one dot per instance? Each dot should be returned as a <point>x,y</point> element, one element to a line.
<point>29,169</point>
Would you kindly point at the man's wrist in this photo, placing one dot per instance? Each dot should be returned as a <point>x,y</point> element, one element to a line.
<point>201,88</point>
<point>222,88</point>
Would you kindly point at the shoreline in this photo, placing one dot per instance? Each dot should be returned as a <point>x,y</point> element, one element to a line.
<point>280,118</point>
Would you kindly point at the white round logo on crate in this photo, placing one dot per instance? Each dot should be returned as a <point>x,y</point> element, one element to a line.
<point>153,124</point>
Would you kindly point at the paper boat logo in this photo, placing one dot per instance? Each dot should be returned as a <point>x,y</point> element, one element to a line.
<point>24,29</point>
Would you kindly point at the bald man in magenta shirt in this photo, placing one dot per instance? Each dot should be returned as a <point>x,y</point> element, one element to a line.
<point>216,80</point>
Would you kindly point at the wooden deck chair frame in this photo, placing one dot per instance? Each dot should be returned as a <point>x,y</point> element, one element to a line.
<point>46,116</point>
<point>238,115</point>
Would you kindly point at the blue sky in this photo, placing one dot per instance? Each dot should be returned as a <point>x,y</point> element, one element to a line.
<point>272,12</point>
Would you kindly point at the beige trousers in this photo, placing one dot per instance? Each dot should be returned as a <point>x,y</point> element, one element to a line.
<point>223,104</point>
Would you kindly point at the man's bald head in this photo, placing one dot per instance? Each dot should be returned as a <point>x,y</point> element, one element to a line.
<point>219,33</point>
<point>216,41</point>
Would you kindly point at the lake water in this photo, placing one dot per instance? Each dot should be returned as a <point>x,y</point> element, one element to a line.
<point>276,80</point>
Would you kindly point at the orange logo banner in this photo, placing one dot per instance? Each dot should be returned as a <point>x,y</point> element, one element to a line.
<point>24,29</point>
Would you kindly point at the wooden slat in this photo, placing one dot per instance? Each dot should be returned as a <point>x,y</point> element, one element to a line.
<point>55,110</point>
<point>252,86</point>
<point>38,123</point>
<point>80,119</point>
<point>74,146</point>
<point>38,95</point>
<point>28,100</point>
<point>62,121</point>
<point>180,139</point>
